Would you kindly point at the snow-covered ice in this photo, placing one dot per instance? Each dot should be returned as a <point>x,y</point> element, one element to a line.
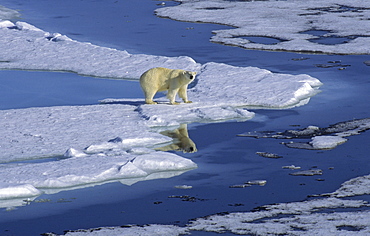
<point>326,142</point>
<point>293,24</point>
<point>353,187</point>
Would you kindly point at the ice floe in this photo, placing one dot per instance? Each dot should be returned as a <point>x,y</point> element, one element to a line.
<point>314,26</point>
<point>26,47</point>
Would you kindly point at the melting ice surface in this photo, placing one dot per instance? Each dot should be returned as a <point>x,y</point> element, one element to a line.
<point>117,139</point>
<point>288,22</point>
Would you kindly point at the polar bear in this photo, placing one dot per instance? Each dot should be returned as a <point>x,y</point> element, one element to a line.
<point>160,79</point>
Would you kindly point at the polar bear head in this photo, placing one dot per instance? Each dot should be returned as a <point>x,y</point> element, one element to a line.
<point>189,74</point>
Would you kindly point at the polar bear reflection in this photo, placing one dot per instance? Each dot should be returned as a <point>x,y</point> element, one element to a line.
<point>181,140</point>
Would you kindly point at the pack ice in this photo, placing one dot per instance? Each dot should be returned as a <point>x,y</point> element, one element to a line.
<point>49,148</point>
<point>332,26</point>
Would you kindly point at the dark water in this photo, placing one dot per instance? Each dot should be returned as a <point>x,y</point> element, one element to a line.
<point>223,158</point>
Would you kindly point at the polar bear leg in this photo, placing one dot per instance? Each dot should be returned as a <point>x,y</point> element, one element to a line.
<point>183,94</point>
<point>149,97</point>
<point>171,95</point>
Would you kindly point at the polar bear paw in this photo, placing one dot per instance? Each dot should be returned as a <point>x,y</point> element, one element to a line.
<point>151,102</point>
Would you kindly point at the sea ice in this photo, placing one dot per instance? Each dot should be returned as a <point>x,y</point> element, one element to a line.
<point>82,145</point>
<point>291,23</point>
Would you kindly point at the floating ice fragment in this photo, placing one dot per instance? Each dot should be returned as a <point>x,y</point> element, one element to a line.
<point>240,186</point>
<point>300,59</point>
<point>326,142</point>
<point>268,155</point>
<point>257,182</point>
<point>307,172</point>
<point>183,186</point>
<point>249,183</point>
<point>187,198</point>
<point>292,167</point>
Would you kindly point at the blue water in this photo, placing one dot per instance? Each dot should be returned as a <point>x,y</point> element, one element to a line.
<point>223,158</point>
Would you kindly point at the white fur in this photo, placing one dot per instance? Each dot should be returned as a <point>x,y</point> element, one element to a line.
<point>160,79</point>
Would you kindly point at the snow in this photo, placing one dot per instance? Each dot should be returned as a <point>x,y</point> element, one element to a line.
<point>290,22</point>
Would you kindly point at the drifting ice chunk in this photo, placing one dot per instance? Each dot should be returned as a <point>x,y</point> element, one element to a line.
<point>326,142</point>
<point>268,155</point>
<point>257,182</point>
<point>183,186</point>
<point>292,167</point>
<point>307,172</point>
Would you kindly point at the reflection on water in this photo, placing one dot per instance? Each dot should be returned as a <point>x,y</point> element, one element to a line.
<point>181,140</point>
